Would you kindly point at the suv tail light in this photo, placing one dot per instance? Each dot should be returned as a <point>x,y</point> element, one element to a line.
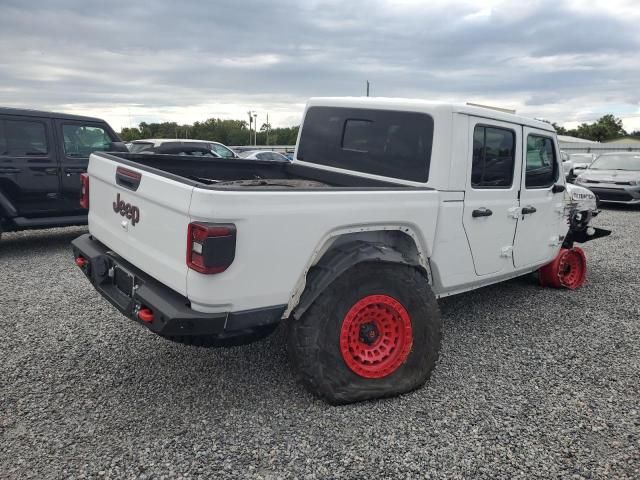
<point>211,247</point>
<point>84,192</point>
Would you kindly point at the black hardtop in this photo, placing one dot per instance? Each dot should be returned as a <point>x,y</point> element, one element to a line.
<point>24,112</point>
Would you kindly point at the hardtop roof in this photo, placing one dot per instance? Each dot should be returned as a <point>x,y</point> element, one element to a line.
<point>428,106</point>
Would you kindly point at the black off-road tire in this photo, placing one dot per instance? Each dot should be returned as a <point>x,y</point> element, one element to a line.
<point>314,339</point>
<point>215,341</point>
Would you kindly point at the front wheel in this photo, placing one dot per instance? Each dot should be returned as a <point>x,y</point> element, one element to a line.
<point>374,332</point>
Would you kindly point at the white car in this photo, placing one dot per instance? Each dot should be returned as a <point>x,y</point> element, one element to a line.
<point>264,155</point>
<point>388,205</point>
<point>173,146</point>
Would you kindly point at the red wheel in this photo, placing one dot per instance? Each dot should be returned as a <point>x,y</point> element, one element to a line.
<point>376,336</point>
<point>568,269</point>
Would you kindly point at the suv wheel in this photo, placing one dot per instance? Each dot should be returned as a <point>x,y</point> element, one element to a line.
<point>374,332</point>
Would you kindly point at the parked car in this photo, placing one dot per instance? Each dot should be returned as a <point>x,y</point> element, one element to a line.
<point>264,155</point>
<point>579,162</point>
<point>614,177</point>
<point>42,155</point>
<point>172,146</point>
<point>388,205</point>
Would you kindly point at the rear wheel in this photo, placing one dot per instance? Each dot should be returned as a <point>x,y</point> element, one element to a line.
<point>374,332</point>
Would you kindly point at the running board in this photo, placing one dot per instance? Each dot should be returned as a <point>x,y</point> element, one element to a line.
<point>49,222</point>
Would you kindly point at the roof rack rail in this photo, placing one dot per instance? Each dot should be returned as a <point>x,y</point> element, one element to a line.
<point>499,109</point>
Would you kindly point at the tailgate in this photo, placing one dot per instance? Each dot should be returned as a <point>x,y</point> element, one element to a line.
<point>147,225</point>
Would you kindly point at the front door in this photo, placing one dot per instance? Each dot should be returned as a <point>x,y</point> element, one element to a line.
<point>79,140</point>
<point>491,196</point>
<point>29,169</point>
<point>541,222</point>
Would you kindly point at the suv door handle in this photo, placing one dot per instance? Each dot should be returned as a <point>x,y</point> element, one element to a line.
<point>75,170</point>
<point>51,170</point>
<point>481,212</point>
<point>527,210</point>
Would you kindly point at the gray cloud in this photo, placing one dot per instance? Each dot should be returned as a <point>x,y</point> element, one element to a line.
<point>164,56</point>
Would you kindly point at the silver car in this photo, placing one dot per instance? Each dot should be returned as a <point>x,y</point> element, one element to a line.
<point>614,177</point>
<point>577,163</point>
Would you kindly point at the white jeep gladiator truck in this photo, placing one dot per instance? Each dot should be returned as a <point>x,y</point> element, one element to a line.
<point>388,205</point>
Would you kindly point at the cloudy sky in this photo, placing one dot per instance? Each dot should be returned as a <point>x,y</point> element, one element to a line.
<point>151,60</point>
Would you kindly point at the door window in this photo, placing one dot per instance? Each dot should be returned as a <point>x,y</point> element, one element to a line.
<point>542,166</point>
<point>82,140</point>
<point>493,157</point>
<point>25,139</point>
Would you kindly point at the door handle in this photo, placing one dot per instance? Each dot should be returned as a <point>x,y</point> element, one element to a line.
<point>481,212</point>
<point>75,170</point>
<point>529,209</point>
<point>51,171</point>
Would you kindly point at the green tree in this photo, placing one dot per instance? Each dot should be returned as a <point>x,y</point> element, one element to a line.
<point>606,127</point>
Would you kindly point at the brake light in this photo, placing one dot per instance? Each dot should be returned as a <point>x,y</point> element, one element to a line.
<point>211,247</point>
<point>84,191</point>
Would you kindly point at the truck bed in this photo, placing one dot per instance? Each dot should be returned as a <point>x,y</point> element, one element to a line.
<point>221,173</point>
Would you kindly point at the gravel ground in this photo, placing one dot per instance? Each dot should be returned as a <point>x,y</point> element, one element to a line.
<point>532,383</point>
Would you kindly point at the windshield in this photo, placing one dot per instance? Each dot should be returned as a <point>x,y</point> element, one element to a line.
<point>617,162</point>
<point>137,147</point>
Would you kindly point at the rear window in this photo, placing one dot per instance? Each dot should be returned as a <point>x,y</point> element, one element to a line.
<point>25,138</point>
<point>380,142</point>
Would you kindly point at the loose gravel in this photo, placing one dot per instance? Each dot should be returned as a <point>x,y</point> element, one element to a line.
<point>531,383</point>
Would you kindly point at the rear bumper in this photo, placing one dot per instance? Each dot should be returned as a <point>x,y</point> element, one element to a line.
<point>172,315</point>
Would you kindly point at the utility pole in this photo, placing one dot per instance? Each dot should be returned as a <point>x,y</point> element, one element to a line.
<point>367,88</point>
<point>268,128</point>
<point>250,119</point>
<point>255,128</point>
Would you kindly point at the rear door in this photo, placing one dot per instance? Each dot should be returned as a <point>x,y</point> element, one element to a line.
<point>542,219</point>
<point>141,216</point>
<point>492,194</point>
<point>78,139</point>
<point>29,169</point>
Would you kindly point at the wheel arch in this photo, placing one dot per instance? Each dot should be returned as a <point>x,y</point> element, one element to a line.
<point>343,250</point>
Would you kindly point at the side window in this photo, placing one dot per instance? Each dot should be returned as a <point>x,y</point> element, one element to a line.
<point>493,157</point>
<point>542,165</point>
<point>82,140</point>
<point>25,138</point>
<point>3,139</point>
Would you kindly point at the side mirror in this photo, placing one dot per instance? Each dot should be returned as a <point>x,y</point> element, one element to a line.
<point>558,188</point>
<point>118,147</point>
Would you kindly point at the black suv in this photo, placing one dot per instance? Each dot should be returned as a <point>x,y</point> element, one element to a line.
<point>42,155</point>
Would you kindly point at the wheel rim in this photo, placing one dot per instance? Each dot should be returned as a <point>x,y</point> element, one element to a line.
<point>573,268</point>
<point>376,336</point>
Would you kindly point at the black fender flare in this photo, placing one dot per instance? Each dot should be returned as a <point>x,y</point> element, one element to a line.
<point>6,207</point>
<point>341,258</point>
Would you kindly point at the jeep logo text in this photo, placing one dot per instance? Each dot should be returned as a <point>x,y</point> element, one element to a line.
<point>126,210</point>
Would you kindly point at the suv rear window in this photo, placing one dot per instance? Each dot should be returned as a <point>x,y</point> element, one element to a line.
<point>25,138</point>
<point>380,142</point>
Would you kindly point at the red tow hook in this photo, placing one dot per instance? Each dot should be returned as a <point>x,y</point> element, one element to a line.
<point>81,262</point>
<point>145,314</point>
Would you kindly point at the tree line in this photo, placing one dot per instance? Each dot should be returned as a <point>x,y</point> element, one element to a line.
<point>607,127</point>
<point>236,132</point>
<point>228,132</point>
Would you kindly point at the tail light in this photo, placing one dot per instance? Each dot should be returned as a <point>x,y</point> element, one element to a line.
<point>84,192</point>
<point>211,247</point>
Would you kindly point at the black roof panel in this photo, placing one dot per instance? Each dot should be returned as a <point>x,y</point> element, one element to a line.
<point>37,113</point>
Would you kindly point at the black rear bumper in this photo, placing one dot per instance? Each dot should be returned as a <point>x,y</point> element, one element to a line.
<point>172,314</point>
